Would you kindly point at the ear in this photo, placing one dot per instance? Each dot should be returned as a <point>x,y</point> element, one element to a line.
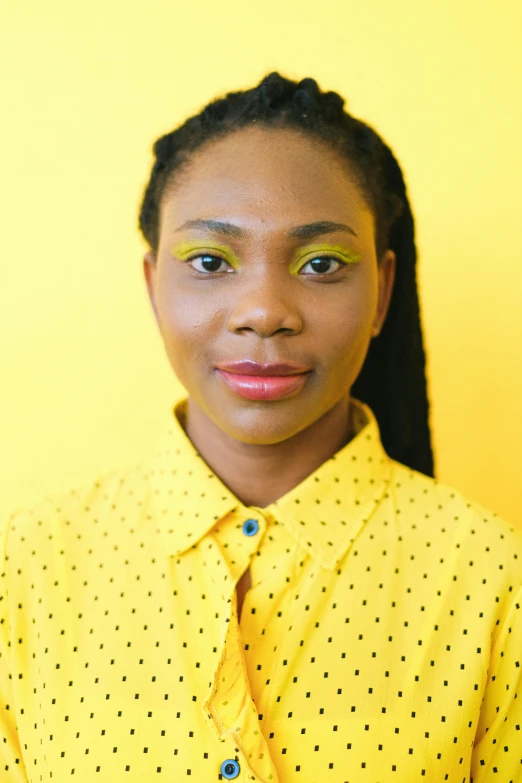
<point>150,269</point>
<point>386,273</point>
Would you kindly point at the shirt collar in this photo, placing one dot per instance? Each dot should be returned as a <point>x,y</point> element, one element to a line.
<point>324,512</point>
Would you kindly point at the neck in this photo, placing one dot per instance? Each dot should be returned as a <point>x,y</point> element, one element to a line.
<point>258,475</point>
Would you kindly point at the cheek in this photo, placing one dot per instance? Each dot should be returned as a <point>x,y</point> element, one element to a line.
<point>186,325</point>
<point>350,323</point>
<point>348,335</point>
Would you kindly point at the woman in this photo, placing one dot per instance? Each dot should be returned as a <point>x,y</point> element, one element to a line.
<point>282,592</point>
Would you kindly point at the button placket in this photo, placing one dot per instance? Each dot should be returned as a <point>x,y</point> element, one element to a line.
<point>229,706</point>
<point>231,710</point>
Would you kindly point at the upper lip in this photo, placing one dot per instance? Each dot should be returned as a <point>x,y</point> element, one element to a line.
<point>247,367</point>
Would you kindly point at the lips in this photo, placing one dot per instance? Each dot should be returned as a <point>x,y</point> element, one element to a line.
<point>258,387</point>
<point>248,367</point>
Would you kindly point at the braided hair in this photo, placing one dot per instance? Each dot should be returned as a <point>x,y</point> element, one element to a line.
<point>392,380</point>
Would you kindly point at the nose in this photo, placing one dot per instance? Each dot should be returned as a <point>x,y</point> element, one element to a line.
<point>265,305</point>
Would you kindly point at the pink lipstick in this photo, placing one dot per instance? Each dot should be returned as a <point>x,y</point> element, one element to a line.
<point>263,387</point>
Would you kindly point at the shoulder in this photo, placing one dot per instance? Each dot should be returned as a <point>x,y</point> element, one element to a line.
<point>117,493</point>
<point>441,511</point>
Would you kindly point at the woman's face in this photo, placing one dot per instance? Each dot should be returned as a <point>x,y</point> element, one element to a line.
<point>265,301</point>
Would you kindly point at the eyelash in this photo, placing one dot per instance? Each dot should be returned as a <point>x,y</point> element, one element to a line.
<point>319,274</point>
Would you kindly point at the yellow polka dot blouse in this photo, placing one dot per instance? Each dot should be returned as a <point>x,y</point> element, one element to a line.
<point>381,639</point>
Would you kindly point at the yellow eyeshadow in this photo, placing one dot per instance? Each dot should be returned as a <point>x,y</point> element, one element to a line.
<point>185,248</point>
<point>347,256</point>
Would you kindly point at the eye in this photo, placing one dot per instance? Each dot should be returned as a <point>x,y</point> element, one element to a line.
<point>322,261</point>
<point>215,261</point>
<point>211,260</point>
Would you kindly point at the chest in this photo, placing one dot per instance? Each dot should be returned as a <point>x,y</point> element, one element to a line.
<point>344,669</point>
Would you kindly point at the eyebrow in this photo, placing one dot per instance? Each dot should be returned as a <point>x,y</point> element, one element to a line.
<point>304,232</point>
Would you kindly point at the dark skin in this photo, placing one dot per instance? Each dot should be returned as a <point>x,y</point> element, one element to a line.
<point>262,305</point>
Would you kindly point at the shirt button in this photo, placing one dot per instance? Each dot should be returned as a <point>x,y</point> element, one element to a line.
<point>250,527</point>
<point>230,769</point>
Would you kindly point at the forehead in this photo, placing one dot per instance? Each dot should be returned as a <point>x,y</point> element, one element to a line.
<point>271,176</point>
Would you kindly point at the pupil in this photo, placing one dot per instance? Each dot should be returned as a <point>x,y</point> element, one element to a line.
<point>212,261</point>
<point>324,261</point>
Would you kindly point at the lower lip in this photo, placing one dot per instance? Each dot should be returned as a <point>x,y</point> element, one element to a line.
<point>270,387</point>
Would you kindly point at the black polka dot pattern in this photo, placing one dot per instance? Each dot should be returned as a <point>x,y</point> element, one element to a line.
<point>381,638</point>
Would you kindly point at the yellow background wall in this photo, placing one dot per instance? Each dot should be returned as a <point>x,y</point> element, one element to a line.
<point>86,88</point>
